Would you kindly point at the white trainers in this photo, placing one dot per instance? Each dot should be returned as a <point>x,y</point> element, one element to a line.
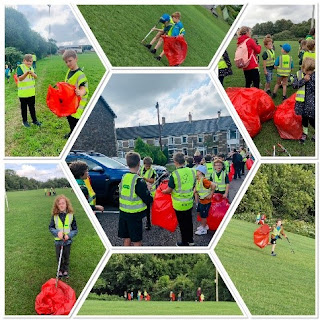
<point>206,227</point>
<point>201,231</point>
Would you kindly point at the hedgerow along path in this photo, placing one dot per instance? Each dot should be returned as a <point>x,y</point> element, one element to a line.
<point>47,140</point>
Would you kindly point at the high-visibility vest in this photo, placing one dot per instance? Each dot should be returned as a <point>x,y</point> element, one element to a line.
<point>171,29</point>
<point>222,64</point>
<point>182,194</point>
<point>243,154</point>
<point>308,54</point>
<point>34,58</point>
<point>129,201</point>
<point>65,228</point>
<point>284,67</point>
<point>220,181</point>
<point>271,58</point>
<point>78,78</point>
<point>201,190</point>
<point>276,232</point>
<point>226,166</point>
<point>92,194</point>
<point>170,22</point>
<point>26,87</point>
<point>148,175</point>
<point>209,167</point>
<point>301,93</point>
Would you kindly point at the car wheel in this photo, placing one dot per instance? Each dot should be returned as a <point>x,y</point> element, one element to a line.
<point>114,195</point>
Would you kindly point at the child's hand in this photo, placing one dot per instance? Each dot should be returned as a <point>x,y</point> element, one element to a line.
<point>66,237</point>
<point>225,195</point>
<point>60,235</point>
<point>78,92</point>
<point>307,77</point>
<point>99,208</point>
<point>265,72</point>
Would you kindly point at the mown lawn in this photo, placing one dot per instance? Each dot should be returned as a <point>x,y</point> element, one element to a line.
<point>281,285</point>
<point>120,29</point>
<point>30,252</point>
<point>269,135</point>
<point>47,140</point>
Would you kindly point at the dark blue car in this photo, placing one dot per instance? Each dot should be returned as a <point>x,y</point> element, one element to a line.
<point>105,174</point>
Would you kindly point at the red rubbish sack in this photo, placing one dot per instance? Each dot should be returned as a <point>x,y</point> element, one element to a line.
<point>162,213</point>
<point>249,163</point>
<point>289,124</point>
<point>175,49</point>
<point>15,77</point>
<point>231,172</point>
<point>219,207</point>
<point>261,236</point>
<point>55,300</point>
<point>62,100</point>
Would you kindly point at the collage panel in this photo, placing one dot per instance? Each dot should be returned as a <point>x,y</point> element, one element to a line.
<point>52,71</point>
<point>268,248</point>
<point>191,152</point>
<point>160,285</point>
<point>43,221</point>
<point>160,35</point>
<point>268,72</point>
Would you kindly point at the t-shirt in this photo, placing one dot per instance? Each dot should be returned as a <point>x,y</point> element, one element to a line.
<point>176,29</point>
<point>207,185</point>
<point>265,57</point>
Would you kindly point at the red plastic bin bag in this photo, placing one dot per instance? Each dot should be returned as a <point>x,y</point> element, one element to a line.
<point>249,163</point>
<point>219,207</point>
<point>175,49</point>
<point>231,172</point>
<point>55,300</point>
<point>289,124</point>
<point>162,213</point>
<point>261,236</point>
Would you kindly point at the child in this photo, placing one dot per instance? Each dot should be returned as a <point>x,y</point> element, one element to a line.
<point>260,218</point>
<point>149,176</point>
<point>220,179</point>
<point>63,227</point>
<point>208,165</point>
<point>203,192</point>
<point>284,65</point>
<point>310,53</point>
<point>133,202</point>
<point>180,186</point>
<point>276,230</point>
<point>302,50</point>
<point>226,164</point>
<point>27,90</point>
<point>7,73</point>
<point>268,57</point>
<point>304,81</point>
<point>76,77</point>
<point>224,67</point>
<point>175,30</point>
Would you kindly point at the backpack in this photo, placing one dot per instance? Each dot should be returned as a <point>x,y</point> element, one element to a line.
<point>241,56</point>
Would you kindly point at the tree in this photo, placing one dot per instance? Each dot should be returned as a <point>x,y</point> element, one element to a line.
<point>12,55</point>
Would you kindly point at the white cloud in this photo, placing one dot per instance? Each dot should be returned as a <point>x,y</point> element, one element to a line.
<point>30,171</point>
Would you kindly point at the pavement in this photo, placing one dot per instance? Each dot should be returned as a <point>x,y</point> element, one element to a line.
<point>158,236</point>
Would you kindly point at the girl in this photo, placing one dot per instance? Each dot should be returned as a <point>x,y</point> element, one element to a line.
<point>63,227</point>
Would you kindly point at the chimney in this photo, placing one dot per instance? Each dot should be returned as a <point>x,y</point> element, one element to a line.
<point>219,114</point>
<point>190,117</point>
<point>163,120</point>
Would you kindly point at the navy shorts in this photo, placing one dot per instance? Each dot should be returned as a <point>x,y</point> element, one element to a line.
<point>269,75</point>
<point>130,226</point>
<point>273,241</point>
<point>203,209</point>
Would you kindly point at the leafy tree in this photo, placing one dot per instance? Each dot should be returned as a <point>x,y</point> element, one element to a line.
<point>12,55</point>
<point>283,35</point>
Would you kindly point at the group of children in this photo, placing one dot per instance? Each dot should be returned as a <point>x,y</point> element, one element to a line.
<point>140,296</point>
<point>27,87</point>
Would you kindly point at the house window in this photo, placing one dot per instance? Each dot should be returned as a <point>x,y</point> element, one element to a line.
<point>184,139</point>
<point>185,151</point>
<point>171,141</point>
<point>214,138</point>
<point>131,143</point>
<point>156,142</point>
<point>120,144</point>
<point>200,138</point>
<point>215,150</point>
<point>232,134</point>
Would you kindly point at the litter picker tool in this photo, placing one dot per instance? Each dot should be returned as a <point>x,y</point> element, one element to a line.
<point>274,151</point>
<point>284,149</point>
<point>292,251</point>
<point>165,173</point>
<point>149,32</point>
<point>59,264</point>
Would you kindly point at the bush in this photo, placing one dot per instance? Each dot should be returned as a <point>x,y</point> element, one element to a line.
<point>105,297</point>
<point>284,36</point>
<point>13,55</point>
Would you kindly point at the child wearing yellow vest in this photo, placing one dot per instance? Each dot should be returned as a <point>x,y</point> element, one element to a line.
<point>310,50</point>
<point>276,230</point>
<point>63,227</point>
<point>224,67</point>
<point>76,77</point>
<point>268,57</point>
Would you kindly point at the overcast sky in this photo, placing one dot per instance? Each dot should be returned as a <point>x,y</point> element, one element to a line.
<point>133,98</point>
<point>258,14</point>
<point>65,29</point>
<point>40,172</point>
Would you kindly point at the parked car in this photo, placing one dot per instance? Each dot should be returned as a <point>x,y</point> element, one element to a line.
<point>105,173</point>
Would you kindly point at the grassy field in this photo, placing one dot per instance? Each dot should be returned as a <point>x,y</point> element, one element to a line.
<point>281,285</point>
<point>30,253</point>
<point>269,135</point>
<point>120,29</point>
<point>47,140</point>
<point>98,307</point>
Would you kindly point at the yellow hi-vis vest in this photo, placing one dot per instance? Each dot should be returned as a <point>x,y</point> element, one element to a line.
<point>148,174</point>
<point>34,58</point>
<point>301,93</point>
<point>222,64</point>
<point>182,194</point>
<point>65,228</point>
<point>92,194</point>
<point>209,167</point>
<point>276,232</point>
<point>309,54</point>
<point>171,22</point>
<point>78,78</point>
<point>271,58</point>
<point>202,191</point>
<point>226,166</point>
<point>220,181</point>
<point>284,67</point>
<point>26,87</point>
<point>129,201</point>
<point>171,29</point>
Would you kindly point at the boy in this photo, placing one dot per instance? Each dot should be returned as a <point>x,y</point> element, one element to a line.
<point>203,192</point>
<point>209,166</point>
<point>76,77</point>
<point>133,202</point>
<point>149,176</point>
<point>276,230</point>
<point>268,57</point>
<point>220,179</point>
<point>180,186</point>
<point>309,53</point>
<point>176,30</point>
<point>284,66</point>
<point>27,90</point>
<point>7,73</point>
<point>226,164</point>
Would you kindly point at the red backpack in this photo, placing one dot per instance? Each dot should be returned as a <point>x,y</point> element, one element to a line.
<point>241,56</point>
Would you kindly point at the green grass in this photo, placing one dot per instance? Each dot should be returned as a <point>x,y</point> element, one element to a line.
<point>269,135</point>
<point>98,307</point>
<point>281,285</point>
<point>30,252</point>
<point>47,140</point>
<point>120,29</point>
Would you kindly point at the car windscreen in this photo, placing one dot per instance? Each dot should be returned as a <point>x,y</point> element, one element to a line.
<point>109,163</point>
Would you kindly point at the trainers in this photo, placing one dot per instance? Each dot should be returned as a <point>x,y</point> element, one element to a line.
<point>60,274</point>
<point>303,138</point>
<point>37,123</point>
<point>273,254</point>
<point>182,244</point>
<point>26,124</point>
<point>206,227</point>
<point>148,46</point>
<point>191,243</point>
<point>269,92</point>
<point>274,95</point>
<point>284,98</point>
<point>158,58</point>
<point>65,275</point>
<point>201,232</point>
<point>153,51</point>
<point>148,227</point>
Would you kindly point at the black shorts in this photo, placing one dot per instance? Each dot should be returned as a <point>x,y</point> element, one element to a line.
<point>203,209</point>
<point>130,226</point>
<point>273,241</point>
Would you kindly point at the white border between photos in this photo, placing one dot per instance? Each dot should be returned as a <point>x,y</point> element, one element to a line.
<point>167,70</point>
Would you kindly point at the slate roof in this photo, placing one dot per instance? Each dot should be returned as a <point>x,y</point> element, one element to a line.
<point>177,128</point>
<point>105,103</point>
